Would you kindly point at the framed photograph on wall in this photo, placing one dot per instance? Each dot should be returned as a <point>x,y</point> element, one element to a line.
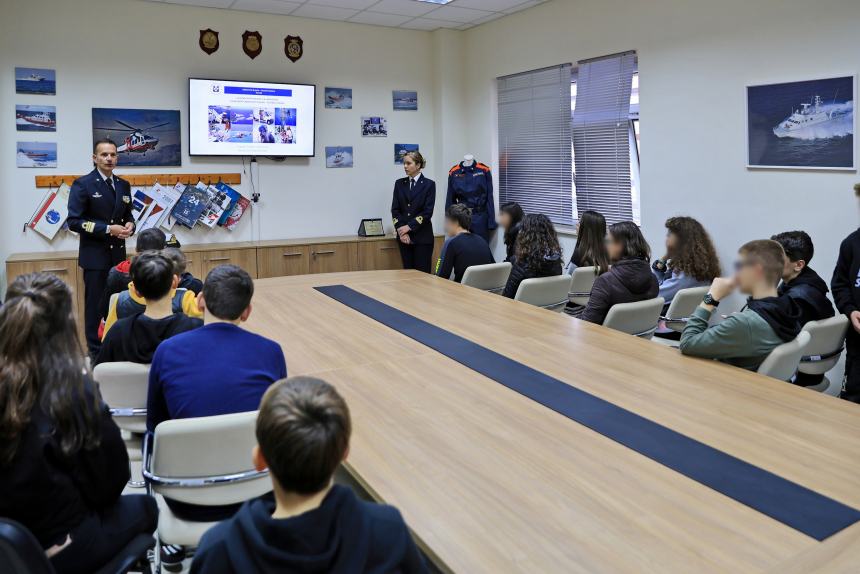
<point>405,100</point>
<point>806,124</point>
<point>338,98</point>
<point>401,150</point>
<point>338,156</point>
<point>143,137</point>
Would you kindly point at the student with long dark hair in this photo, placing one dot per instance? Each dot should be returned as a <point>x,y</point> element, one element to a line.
<point>63,463</point>
<point>510,217</point>
<point>537,253</point>
<point>690,261</point>
<point>629,279</point>
<point>590,249</point>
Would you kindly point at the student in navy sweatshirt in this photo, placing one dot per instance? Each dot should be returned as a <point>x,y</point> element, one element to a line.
<point>463,248</point>
<point>311,524</point>
<point>217,369</point>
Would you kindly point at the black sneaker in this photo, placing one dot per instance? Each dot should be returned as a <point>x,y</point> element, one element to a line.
<point>172,557</point>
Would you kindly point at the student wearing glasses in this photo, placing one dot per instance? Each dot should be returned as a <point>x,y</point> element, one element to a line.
<point>746,338</point>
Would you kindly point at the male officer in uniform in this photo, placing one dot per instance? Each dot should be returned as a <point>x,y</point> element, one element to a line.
<point>100,211</point>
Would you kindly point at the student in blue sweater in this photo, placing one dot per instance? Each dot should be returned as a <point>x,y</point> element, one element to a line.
<point>311,524</point>
<point>217,369</point>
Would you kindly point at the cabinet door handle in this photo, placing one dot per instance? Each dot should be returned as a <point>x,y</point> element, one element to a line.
<point>293,254</point>
<point>387,248</point>
<point>219,259</point>
<point>55,270</point>
<point>324,252</point>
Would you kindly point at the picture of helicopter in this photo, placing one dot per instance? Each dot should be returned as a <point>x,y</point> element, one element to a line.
<point>143,137</point>
<point>138,141</point>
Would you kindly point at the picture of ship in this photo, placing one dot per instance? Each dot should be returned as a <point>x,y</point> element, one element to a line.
<point>35,118</point>
<point>338,98</point>
<point>802,125</point>
<point>338,156</point>
<point>810,114</point>
<point>405,100</point>
<point>35,81</point>
<point>37,154</point>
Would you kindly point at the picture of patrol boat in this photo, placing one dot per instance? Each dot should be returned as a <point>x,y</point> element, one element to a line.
<point>810,114</point>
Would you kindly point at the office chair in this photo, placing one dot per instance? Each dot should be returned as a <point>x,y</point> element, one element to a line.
<point>782,362</point>
<point>491,277</point>
<point>638,319</point>
<point>547,292</point>
<point>21,553</point>
<point>204,461</point>
<point>824,348</point>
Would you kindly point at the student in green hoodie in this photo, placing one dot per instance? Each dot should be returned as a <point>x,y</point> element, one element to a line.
<point>746,338</point>
<point>311,525</point>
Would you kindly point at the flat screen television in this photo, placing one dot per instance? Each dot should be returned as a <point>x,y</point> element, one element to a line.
<point>231,118</point>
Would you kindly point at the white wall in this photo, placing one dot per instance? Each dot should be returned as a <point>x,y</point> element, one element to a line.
<point>127,53</point>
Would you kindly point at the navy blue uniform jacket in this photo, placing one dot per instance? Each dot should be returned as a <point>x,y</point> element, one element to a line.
<point>415,209</point>
<point>473,186</point>
<point>92,208</point>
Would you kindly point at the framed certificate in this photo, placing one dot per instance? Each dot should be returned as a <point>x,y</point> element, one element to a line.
<point>371,228</point>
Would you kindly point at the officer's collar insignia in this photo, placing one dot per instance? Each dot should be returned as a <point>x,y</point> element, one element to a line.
<point>126,198</point>
<point>97,195</point>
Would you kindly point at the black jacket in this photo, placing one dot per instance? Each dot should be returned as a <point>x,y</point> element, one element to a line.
<point>137,337</point>
<point>627,281</point>
<point>846,275</point>
<point>415,208</point>
<point>190,282</point>
<point>344,535</point>
<point>50,493</point>
<point>781,313</point>
<point>461,252</point>
<point>549,267</point>
<point>92,208</point>
<point>809,291</point>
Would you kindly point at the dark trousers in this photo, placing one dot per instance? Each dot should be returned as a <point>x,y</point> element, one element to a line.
<point>100,537</point>
<point>95,282</point>
<point>851,382</point>
<point>418,257</point>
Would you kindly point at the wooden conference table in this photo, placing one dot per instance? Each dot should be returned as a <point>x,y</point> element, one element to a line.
<point>491,481</point>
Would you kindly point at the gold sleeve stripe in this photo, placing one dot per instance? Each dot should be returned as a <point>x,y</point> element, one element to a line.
<point>395,221</point>
<point>420,219</point>
<point>89,226</point>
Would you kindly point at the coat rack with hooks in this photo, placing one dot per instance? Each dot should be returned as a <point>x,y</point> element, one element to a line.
<point>148,179</point>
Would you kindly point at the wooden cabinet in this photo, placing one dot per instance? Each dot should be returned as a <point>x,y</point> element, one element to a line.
<point>66,269</point>
<point>244,258</point>
<point>377,255</point>
<point>333,257</point>
<point>283,261</point>
<point>194,261</point>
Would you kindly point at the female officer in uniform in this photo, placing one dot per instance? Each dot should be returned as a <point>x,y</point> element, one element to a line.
<point>411,210</point>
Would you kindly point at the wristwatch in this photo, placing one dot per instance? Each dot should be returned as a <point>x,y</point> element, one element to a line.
<point>709,300</point>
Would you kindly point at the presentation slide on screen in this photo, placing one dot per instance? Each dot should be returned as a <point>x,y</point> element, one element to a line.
<point>250,118</point>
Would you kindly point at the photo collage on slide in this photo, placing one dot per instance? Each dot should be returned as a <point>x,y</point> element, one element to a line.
<point>257,125</point>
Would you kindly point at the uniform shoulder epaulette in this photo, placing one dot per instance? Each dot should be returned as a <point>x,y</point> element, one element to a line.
<point>453,169</point>
<point>483,166</point>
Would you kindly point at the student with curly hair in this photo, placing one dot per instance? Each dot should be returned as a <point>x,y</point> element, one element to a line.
<point>628,280</point>
<point>537,254</point>
<point>690,260</point>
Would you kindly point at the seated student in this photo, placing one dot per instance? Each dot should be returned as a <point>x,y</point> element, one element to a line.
<point>745,339</point>
<point>802,284</point>
<point>180,266</point>
<point>63,462</point>
<point>690,261</point>
<point>537,253</point>
<point>311,524</point>
<point>510,218</point>
<point>590,249</point>
<point>217,369</point>
<point>130,303</point>
<point>152,239</point>
<point>135,338</point>
<point>463,248</point>
<point>628,280</point>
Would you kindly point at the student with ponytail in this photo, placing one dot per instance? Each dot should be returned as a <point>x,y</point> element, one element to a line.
<point>63,463</point>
